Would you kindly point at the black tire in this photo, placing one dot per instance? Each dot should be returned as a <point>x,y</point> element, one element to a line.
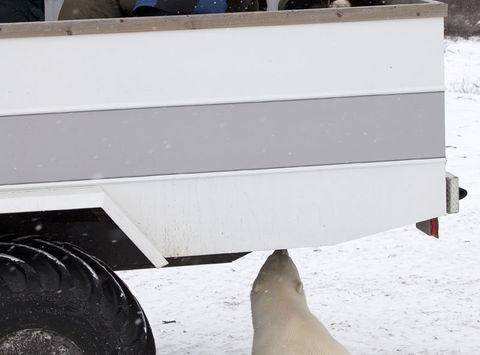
<point>54,296</point>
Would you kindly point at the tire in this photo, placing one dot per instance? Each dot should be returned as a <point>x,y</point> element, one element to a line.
<point>56,299</point>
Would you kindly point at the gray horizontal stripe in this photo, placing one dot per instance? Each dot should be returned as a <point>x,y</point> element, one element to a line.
<point>226,137</point>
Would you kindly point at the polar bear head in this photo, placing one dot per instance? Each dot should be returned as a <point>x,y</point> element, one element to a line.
<point>278,283</point>
<point>282,322</point>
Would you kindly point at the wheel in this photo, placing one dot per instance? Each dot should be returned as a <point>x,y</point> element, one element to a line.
<point>56,299</point>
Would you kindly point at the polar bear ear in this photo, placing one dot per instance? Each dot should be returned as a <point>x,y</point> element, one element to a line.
<point>299,287</point>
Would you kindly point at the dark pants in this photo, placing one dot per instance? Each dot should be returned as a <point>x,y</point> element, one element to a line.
<point>196,7</point>
<point>21,10</point>
<point>149,11</point>
<point>89,9</point>
<point>179,7</point>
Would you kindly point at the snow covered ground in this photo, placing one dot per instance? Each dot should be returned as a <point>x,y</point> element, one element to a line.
<point>398,292</point>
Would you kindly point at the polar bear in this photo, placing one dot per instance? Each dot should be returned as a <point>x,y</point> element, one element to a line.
<point>282,322</point>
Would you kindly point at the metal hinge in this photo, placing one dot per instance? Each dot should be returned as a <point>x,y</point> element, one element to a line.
<point>453,193</point>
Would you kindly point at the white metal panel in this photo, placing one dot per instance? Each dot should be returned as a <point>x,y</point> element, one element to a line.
<point>187,67</point>
<point>128,226</point>
<point>251,210</point>
<point>282,209</point>
<point>49,198</point>
<point>272,5</point>
<point>52,9</point>
<point>42,198</point>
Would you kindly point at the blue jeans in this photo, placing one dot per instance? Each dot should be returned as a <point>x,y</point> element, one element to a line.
<point>153,8</point>
<point>210,6</point>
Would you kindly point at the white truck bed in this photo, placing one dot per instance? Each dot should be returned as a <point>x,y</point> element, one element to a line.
<point>225,133</point>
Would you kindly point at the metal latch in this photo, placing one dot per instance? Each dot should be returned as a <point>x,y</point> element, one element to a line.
<point>453,193</point>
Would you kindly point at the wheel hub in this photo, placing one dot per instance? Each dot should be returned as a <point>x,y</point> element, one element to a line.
<point>38,341</point>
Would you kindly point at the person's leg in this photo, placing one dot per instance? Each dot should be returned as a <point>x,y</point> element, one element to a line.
<point>127,6</point>
<point>142,11</point>
<point>21,10</point>
<point>166,7</point>
<point>210,7</point>
<point>90,9</point>
<point>242,5</point>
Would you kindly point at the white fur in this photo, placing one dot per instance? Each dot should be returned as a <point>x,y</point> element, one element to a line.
<point>340,3</point>
<point>282,322</point>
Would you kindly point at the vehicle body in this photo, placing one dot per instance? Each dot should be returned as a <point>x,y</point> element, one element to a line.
<point>201,138</point>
